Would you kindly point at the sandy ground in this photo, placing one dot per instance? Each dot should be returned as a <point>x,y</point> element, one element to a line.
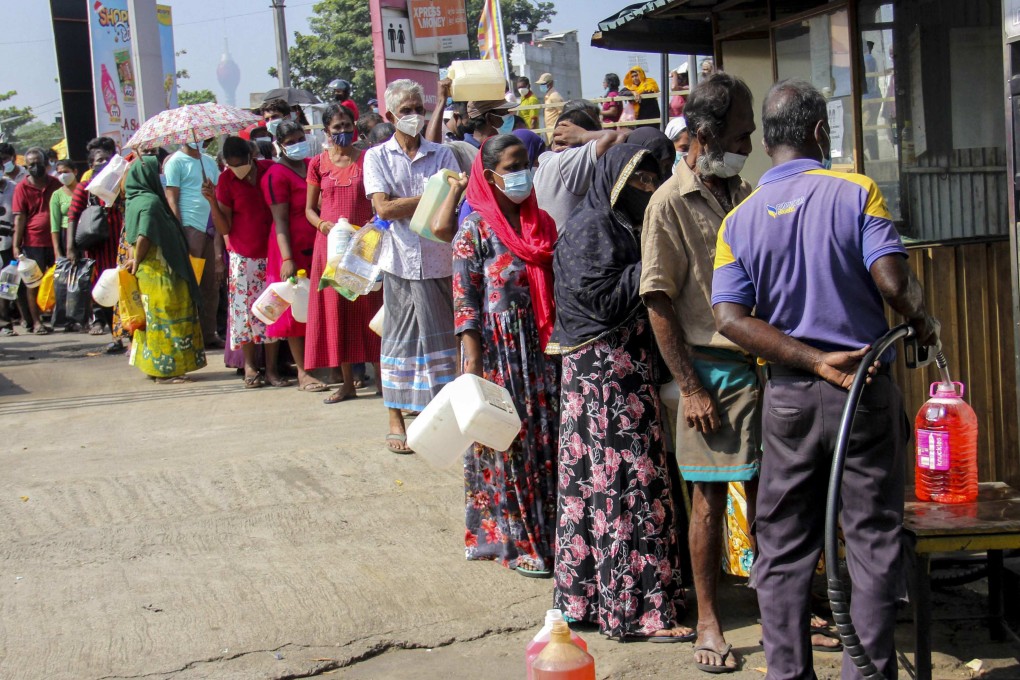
<point>208,531</point>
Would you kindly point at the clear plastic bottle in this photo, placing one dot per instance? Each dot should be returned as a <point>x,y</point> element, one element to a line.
<point>562,659</point>
<point>946,431</point>
<point>10,281</point>
<point>541,639</point>
<point>359,268</point>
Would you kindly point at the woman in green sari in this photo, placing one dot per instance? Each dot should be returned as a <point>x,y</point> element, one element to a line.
<point>171,344</point>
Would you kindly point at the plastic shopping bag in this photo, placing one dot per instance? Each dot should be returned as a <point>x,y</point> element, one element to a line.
<point>106,185</point>
<point>132,312</point>
<point>46,298</point>
<point>79,291</point>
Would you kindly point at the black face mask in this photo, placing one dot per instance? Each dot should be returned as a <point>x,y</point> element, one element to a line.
<point>340,97</point>
<point>633,203</point>
<point>37,171</point>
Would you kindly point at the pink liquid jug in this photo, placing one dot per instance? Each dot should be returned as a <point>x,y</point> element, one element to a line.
<point>541,639</point>
<point>946,431</point>
<point>562,659</point>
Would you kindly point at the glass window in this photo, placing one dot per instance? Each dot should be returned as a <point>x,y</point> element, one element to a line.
<point>878,100</point>
<point>817,50</point>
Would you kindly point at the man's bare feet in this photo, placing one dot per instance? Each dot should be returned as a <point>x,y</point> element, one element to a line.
<point>711,650</point>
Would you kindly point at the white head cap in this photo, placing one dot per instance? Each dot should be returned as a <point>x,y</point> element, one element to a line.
<point>675,128</point>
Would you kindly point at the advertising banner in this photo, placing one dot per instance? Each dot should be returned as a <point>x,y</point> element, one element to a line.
<point>113,74</point>
<point>438,25</point>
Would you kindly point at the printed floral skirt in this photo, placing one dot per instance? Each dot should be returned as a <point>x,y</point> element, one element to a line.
<point>246,280</point>
<point>617,548</point>
<point>171,344</point>
<point>511,495</point>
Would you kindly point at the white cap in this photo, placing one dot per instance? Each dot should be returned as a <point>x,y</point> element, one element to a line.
<point>676,127</point>
<point>682,68</point>
<point>552,616</point>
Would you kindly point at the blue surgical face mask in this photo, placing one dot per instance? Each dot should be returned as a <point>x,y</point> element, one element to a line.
<point>543,88</point>
<point>342,138</point>
<point>272,125</point>
<point>508,124</point>
<point>449,102</point>
<point>826,160</point>
<point>298,151</point>
<point>681,156</point>
<point>8,167</point>
<point>517,185</point>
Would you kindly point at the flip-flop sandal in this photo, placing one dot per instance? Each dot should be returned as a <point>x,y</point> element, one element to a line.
<point>313,387</point>
<point>41,330</point>
<point>253,382</point>
<point>402,438</point>
<point>533,573</point>
<point>176,380</point>
<point>279,382</point>
<point>97,329</point>
<point>662,639</point>
<point>722,668</point>
<point>338,396</point>
<point>114,348</point>
<point>825,632</point>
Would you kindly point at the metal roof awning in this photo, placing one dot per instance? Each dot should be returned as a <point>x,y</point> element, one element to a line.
<point>662,26</point>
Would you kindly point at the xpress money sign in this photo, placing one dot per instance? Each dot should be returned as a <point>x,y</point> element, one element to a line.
<point>437,25</point>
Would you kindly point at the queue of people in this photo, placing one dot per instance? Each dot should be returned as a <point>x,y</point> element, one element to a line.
<point>582,278</point>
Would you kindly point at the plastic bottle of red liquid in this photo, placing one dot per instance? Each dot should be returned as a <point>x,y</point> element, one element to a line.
<point>946,431</point>
<point>541,639</point>
<point>562,659</point>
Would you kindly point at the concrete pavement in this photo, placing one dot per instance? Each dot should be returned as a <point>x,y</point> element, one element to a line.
<point>208,531</point>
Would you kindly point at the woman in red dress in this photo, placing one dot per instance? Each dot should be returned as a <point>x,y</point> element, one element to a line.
<point>292,238</point>
<point>338,332</point>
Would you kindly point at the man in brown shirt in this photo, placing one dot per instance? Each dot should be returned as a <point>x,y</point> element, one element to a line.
<point>717,435</point>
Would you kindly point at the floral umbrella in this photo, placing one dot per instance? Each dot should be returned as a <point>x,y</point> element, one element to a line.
<point>191,123</point>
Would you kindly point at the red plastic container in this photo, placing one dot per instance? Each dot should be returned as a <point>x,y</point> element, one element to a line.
<point>946,431</point>
<point>562,659</point>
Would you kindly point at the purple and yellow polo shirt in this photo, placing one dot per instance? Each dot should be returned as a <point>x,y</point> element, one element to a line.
<point>799,249</point>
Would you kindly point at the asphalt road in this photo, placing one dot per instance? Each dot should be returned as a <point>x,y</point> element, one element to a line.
<point>208,531</point>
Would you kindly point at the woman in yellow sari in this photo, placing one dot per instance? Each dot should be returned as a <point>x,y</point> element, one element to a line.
<point>171,344</point>
<point>640,84</point>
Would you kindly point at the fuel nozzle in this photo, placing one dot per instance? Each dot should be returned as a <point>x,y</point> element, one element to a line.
<point>919,356</point>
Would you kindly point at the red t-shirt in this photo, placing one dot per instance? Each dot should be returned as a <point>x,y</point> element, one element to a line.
<point>349,103</point>
<point>251,219</point>
<point>34,203</point>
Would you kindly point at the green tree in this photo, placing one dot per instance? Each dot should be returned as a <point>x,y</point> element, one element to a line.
<point>195,97</point>
<point>38,133</point>
<point>340,43</point>
<point>13,117</point>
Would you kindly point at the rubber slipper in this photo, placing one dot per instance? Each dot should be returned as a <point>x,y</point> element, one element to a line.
<point>41,330</point>
<point>533,573</point>
<point>825,632</point>
<point>339,396</point>
<point>722,668</point>
<point>402,438</point>
<point>662,639</point>
<point>253,382</point>
<point>97,329</point>
<point>280,382</point>
<point>115,347</point>
<point>313,387</point>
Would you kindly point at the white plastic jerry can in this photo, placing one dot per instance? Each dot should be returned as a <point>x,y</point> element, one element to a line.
<point>31,274</point>
<point>106,292</point>
<point>434,434</point>
<point>437,188</point>
<point>485,412</point>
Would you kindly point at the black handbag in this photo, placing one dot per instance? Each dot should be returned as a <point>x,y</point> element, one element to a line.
<point>93,226</point>
<point>79,291</point>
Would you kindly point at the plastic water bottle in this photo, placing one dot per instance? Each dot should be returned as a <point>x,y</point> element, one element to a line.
<point>299,299</point>
<point>10,281</point>
<point>541,639</point>
<point>359,268</point>
<point>338,239</point>
<point>946,431</point>
<point>562,659</point>
<point>31,274</point>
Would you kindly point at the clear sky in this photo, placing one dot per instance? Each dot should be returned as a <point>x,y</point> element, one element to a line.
<point>200,26</point>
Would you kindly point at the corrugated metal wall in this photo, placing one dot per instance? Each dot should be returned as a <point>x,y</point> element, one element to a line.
<point>967,287</point>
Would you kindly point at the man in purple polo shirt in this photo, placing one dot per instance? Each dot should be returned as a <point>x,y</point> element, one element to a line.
<point>802,267</point>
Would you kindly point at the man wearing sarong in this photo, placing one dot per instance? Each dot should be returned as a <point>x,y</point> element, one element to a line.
<point>717,429</point>
<point>419,349</point>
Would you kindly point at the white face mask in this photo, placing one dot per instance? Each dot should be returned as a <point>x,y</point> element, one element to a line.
<point>411,125</point>
<point>523,91</point>
<point>733,163</point>
<point>66,178</point>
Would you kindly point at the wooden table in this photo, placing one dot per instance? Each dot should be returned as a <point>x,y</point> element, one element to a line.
<point>991,524</point>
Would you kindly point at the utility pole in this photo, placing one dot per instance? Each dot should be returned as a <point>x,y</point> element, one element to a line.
<point>148,60</point>
<point>282,58</point>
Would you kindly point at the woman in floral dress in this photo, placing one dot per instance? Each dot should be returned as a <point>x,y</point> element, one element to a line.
<point>503,310</point>
<point>618,551</point>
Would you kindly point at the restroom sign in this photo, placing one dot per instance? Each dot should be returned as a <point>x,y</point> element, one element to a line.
<point>438,25</point>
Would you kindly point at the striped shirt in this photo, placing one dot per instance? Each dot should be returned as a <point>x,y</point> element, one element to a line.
<point>799,251</point>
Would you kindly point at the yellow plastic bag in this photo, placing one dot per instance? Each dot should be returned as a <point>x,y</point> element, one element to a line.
<point>47,295</point>
<point>198,264</point>
<point>132,313</point>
